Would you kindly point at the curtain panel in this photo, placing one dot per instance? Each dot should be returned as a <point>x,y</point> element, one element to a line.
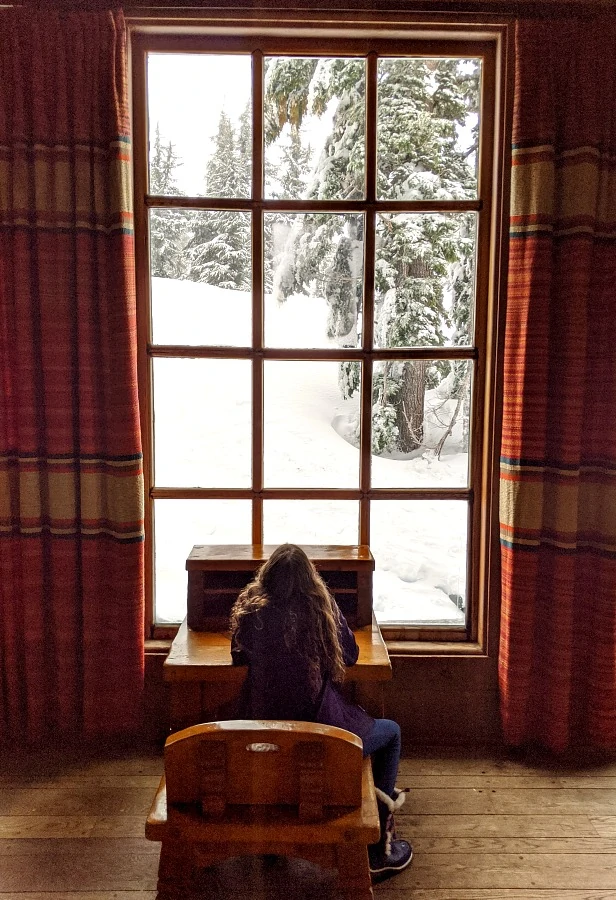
<point>557,664</point>
<point>71,492</point>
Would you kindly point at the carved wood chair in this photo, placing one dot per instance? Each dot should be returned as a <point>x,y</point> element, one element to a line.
<point>241,788</point>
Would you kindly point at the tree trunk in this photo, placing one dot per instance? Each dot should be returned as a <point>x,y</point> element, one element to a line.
<point>461,403</point>
<point>410,411</point>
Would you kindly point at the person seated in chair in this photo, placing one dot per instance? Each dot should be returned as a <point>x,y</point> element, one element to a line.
<point>288,630</point>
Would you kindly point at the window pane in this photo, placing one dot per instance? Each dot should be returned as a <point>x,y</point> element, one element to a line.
<point>419,547</point>
<point>179,525</point>
<point>311,433</point>
<point>201,277</point>
<point>313,279</point>
<point>421,424</point>
<point>425,280</point>
<point>200,120</point>
<point>202,422</point>
<point>314,119</point>
<point>311,521</point>
<point>428,128</point>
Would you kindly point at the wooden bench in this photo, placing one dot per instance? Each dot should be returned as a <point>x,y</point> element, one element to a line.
<point>204,683</point>
<point>241,788</point>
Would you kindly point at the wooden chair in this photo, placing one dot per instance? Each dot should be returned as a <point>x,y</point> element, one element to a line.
<point>241,788</point>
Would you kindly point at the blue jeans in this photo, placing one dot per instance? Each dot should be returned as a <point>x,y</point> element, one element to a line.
<point>383,745</point>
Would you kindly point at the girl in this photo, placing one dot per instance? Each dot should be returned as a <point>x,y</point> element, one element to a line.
<point>288,630</point>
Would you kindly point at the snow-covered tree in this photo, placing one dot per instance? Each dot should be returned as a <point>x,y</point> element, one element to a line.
<point>219,249</point>
<point>288,181</point>
<point>244,152</point>
<point>163,163</point>
<point>463,285</point>
<point>294,166</point>
<point>422,104</point>
<point>167,226</point>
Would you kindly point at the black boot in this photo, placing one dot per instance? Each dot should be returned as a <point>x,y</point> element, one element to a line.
<point>390,855</point>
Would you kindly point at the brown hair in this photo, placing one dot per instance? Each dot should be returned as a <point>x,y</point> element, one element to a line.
<point>290,581</point>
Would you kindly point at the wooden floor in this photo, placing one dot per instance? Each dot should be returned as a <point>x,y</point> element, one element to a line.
<point>483,827</point>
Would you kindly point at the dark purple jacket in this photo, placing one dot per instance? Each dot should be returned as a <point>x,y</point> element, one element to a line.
<point>278,683</point>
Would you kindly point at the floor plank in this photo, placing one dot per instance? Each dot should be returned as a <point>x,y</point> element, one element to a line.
<point>46,826</point>
<point>509,801</point>
<point>501,845</point>
<point>36,848</point>
<point>119,826</point>
<point>496,894</point>
<point>505,826</point>
<point>512,870</point>
<point>518,782</point>
<point>76,801</point>
<point>80,895</point>
<point>605,826</point>
<point>66,870</point>
<point>81,781</point>
<point>468,761</point>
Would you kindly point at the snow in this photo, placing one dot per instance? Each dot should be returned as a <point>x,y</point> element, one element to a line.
<point>202,434</point>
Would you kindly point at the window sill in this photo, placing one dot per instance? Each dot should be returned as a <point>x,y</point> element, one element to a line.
<point>158,647</point>
<point>434,648</point>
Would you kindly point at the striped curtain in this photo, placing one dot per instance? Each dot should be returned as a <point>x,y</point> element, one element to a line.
<point>557,664</point>
<point>71,504</point>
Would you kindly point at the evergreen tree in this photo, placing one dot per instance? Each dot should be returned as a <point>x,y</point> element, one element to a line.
<point>167,226</point>
<point>421,105</point>
<point>290,183</point>
<point>294,166</point>
<point>219,249</point>
<point>244,151</point>
<point>463,286</point>
<point>287,84</point>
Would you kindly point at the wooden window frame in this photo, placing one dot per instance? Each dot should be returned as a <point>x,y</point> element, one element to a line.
<point>310,34</point>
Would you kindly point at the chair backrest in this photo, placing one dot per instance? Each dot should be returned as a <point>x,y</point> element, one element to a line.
<point>248,763</point>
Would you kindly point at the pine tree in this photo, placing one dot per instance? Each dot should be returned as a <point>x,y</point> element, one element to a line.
<point>287,85</point>
<point>294,166</point>
<point>463,285</point>
<point>291,177</point>
<point>167,226</point>
<point>219,249</point>
<point>244,152</point>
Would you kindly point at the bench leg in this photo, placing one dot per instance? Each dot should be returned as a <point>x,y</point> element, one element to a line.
<point>175,872</point>
<point>353,872</point>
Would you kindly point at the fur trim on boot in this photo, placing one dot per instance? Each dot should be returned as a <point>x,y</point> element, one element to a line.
<point>394,802</point>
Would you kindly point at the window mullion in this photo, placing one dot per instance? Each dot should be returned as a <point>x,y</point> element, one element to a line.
<point>257,295</point>
<point>368,298</point>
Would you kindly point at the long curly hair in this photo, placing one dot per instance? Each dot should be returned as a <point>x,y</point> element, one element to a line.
<point>289,581</point>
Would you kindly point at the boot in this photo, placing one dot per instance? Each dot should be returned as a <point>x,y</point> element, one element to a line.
<point>390,855</point>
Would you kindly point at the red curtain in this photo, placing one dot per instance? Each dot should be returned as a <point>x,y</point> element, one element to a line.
<point>71,503</point>
<point>558,490</point>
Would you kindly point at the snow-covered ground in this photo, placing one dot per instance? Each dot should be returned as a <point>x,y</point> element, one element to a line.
<point>202,437</point>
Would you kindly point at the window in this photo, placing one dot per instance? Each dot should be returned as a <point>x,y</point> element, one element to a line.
<point>316,259</point>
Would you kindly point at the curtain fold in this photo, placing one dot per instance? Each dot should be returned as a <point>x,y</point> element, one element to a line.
<point>71,492</point>
<point>557,663</point>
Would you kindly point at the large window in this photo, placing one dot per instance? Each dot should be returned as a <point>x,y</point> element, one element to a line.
<point>315,242</point>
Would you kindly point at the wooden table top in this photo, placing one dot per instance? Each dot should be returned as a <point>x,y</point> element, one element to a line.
<point>235,557</point>
<point>206,656</point>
